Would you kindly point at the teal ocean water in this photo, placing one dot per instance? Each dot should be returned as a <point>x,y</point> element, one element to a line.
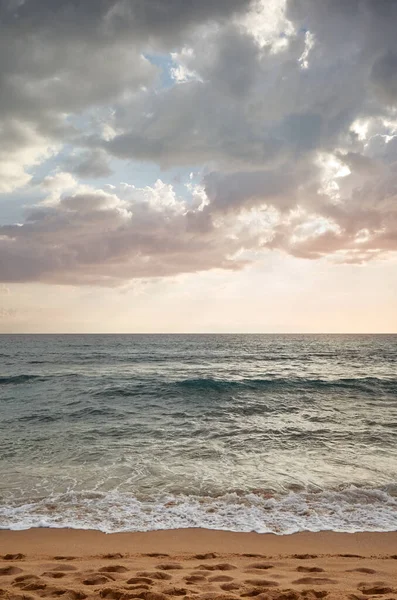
<point>267,433</point>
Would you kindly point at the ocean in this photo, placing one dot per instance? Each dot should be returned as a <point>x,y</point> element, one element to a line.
<point>265,433</point>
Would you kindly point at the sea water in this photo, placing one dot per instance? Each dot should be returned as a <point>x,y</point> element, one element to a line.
<point>267,433</point>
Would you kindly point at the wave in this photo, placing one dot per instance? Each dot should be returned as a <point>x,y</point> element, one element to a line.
<point>113,391</point>
<point>362,383</point>
<point>37,418</point>
<point>34,377</point>
<point>209,383</point>
<point>18,379</point>
<point>352,509</point>
<point>93,411</point>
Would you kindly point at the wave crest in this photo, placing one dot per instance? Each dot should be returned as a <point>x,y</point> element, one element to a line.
<point>352,509</point>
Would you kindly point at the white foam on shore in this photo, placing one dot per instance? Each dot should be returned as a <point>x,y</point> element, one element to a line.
<point>350,510</point>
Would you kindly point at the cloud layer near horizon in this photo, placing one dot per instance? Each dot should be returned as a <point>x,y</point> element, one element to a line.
<point>286,110</point>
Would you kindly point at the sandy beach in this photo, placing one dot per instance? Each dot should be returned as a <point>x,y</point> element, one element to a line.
<point>196,563</point>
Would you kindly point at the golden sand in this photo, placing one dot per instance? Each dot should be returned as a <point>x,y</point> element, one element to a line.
<point>196,564</point>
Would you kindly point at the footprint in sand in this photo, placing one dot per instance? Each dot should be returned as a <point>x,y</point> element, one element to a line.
<point>310,570</point>
<point>313,581</point>
<point>156,555</point>
<point>252,593</point>
<point>224,567</point>
<point>9,596</point>
<point>191,579</point>
<point>230,587</point>
<point>219,567</point>
<point>138,580</point>
<point>207,556</point>
<point>152,596</point>
<point>220,578</point>
<point>61,568</point>
<point>33,586</point>
<point>169,566</point>
<point>73,595</point>
<point>256,572</point>
<point>54,574</point>
<point>216,596</point>
<point>286,595</point>
<point>260,582</point>
<point>175,591</point>
<point>304,556</point>
<point>64,558</point>
<point>64,593</point>
<point>111,594</point>
<point>378,588</point>
<point>362,570</point>
<point>18,556</point>
<point>51,592</point>
<point>315,593</point>
<point>98,579</point>
<point>113,569</point>
<point>263,566</point>
<point>141,587</point>
<point>112,555</point>
<point>10,571</point>
<point>155,575</point>
<point>24,578</point>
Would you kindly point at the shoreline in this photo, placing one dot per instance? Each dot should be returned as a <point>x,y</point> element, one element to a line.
<point>46,541</point>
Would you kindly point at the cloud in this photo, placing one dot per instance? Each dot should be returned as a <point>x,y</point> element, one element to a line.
<point>253,104</point>
<point>108,236</point>
<point>89,164</point>
<point>21,146</point>
<point>82,235</point>
<point>233,192</point>
<point>384,77</point>
<point>64,58</point>
<point>247,104</point>
<point>288,113</point>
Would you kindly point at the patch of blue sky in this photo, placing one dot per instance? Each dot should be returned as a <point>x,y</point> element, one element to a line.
<point>137,173</point>
<point>13,205</point>
<point>164,63</point>
<point>142,174</point>
<point>49,166</point>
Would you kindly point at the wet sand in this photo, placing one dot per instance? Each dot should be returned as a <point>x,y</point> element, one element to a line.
<point>196,563</point>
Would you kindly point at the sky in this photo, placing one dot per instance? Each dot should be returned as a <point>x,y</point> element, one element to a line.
<point>211,166</point>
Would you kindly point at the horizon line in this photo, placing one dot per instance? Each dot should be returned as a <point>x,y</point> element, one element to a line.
<point>200,333</point>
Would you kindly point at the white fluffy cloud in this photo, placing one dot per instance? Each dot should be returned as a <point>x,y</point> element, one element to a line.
<point>96,236</point>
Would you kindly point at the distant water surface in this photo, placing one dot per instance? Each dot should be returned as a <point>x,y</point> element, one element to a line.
<point>267,433</point>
